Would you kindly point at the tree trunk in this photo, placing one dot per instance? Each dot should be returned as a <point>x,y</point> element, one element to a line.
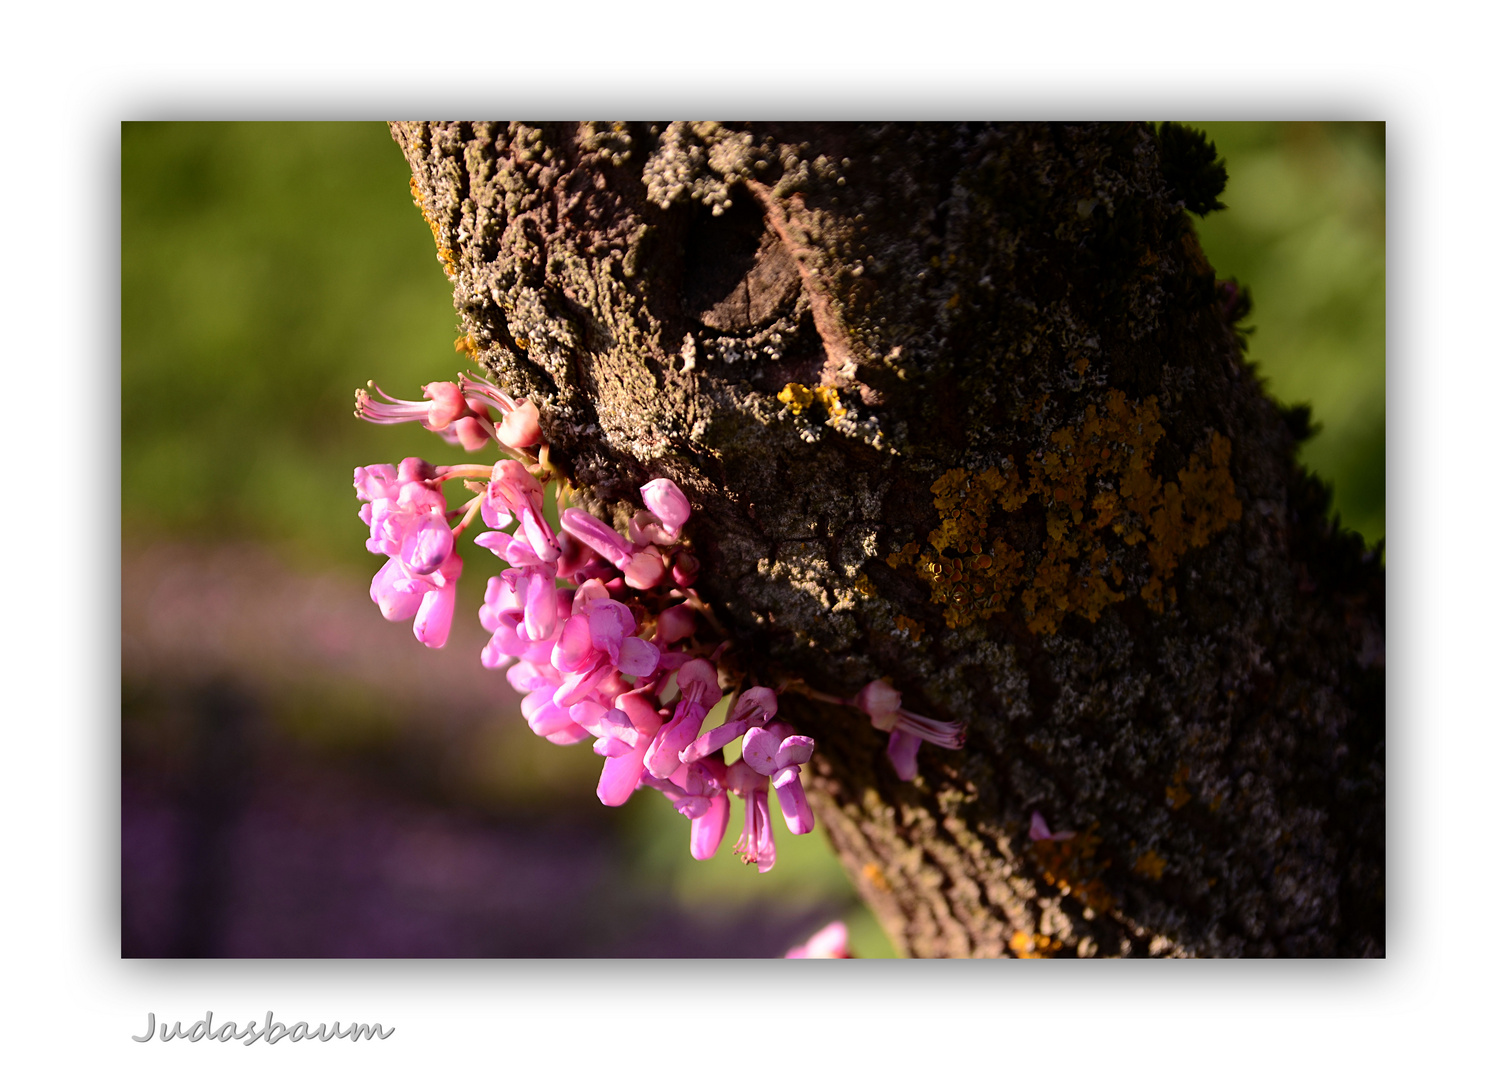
<point>963,406</point>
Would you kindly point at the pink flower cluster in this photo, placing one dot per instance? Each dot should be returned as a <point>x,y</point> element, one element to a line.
<point>604,635</point>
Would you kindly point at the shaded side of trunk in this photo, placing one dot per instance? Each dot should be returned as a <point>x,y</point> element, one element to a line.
<point>962,406</point>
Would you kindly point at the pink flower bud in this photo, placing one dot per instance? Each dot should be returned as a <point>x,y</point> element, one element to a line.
<point>686,569</point>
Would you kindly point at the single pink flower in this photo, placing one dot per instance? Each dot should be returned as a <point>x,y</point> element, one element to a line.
<point>445,406</point>
<point>530,592</point>
<point>428,599</point>
<point>756,845</point>
<point>776,752</point>
<point>907,729</point>
<point>645,529</point>
<point>519,426</point>
<point>828,943</point>
<point>514,492</point>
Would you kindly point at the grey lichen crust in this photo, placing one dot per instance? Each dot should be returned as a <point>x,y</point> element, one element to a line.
<point>956,297</point>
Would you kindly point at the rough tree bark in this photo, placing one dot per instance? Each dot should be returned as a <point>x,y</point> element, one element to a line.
<point>963,406</point>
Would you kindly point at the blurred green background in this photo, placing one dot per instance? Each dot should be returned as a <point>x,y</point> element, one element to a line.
<point>267,270</point>
<point>1306,229</point>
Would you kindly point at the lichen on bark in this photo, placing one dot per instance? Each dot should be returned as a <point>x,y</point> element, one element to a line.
<point>865,350</point>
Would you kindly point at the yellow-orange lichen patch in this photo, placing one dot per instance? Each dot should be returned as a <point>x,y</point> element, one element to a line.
<point>467,344</point>
<point>1073,863</point>
<point>1033,946</point>
<point>800,398</point>
<point>1177,791</point>
<point>968,580</point>
<point>908,626</point>
<point>1100,497</point>
<point>1150,865</point>
<point>445,254</point>
<point>796,396</point>
<point>875,877</point>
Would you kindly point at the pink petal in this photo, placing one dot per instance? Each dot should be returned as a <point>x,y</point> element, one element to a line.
<point>828,943</point>
<point>527,676</point>
<point>610,747</point>
<point>472,435</point>
<point>881,701</point>
<point>708,830</point>
<point>667,502</point>
<point>902,753</point>
<point>544,716</point>
<point>663,757</point>
<point>675,624</point>
<point>520,428</point>
<point>756,704</point>
<point>644,570</point>
<point>760,747</point>
<point>541,612</point>
<point>714,740</point>
<point>641,711</point>
<point>798,816</point>
<point>574,651</point>
<point>395,594</point>
<point>576,686</point>
<point>447,405</point>
<point>795,750</point>
<point>764,853</point>
<point>645,529</point>
<point>606,619</point>
<point>637,657</point>
<point>697,680</point>
<point>538,533</point>
<point>686,570</point>
<point>620,776</point>
<point>595,535</point>
<point>436,611</point>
